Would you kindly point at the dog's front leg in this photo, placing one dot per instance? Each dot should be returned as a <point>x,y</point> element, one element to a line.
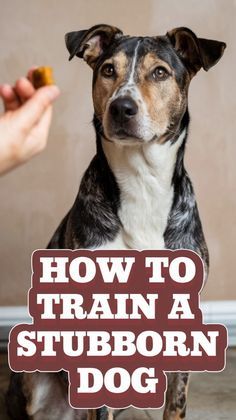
<point>92,415</point>
<point>102,413</point>
<point>46,396</point>
<point>176,396</point>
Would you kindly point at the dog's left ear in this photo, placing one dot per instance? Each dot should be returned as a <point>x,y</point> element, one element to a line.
<point>196,53</point>
<point>91,43</point>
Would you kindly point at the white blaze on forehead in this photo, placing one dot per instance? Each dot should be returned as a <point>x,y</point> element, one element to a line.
<point>131,89</point>
<point>130,84</point>
<point>131,77</point>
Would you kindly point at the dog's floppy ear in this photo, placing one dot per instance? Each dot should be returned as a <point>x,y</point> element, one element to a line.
<point>196,53</point>
<point>91,43</point>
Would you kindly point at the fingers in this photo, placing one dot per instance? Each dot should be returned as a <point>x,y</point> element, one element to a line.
<point>9,97</point>
<point>31,112</point>
<point>24,89</point>
<point>30,104</point>
<point>13,97</point>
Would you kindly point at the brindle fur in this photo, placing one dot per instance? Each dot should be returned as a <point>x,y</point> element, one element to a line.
<point>93,219</point>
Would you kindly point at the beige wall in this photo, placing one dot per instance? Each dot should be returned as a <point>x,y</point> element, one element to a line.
<point>35,197</point>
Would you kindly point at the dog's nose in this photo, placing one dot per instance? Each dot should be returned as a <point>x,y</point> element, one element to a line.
<point>123,109</point>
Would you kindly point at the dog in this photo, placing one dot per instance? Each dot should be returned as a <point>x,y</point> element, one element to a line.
<point>136,193</point>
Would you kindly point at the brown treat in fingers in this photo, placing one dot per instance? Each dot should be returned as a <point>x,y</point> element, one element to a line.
<point>42,76</point>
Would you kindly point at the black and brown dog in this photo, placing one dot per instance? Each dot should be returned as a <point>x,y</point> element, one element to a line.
<point>136,193</point>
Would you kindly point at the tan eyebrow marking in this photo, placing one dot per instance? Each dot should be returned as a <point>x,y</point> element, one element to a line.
<point>121,60</point>
<point>152,60</point>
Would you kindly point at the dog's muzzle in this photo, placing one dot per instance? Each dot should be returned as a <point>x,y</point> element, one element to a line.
<point>122,121</point>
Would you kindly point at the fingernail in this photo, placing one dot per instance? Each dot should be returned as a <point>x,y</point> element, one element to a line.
<point>53,91</point>
<point>6,88</point>
<point>22,79</point>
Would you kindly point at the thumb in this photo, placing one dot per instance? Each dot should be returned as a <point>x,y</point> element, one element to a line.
<point>30,113</point>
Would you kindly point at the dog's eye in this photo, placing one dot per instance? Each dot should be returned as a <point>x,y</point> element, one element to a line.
<point>160,73</point>
<point>108,70</point>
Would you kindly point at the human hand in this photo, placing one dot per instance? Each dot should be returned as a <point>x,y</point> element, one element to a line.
<point>25,124</point>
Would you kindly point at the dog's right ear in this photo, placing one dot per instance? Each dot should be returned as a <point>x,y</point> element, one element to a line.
<point>91,43</point>
<point>196,53</point>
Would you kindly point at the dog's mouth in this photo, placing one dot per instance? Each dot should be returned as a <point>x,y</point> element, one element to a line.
<point>124,134</point>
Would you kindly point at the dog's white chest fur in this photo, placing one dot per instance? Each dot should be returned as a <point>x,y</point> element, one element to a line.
<point>144,175</point>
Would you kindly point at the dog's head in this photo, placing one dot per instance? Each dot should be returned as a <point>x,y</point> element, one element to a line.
<point>140,84</point>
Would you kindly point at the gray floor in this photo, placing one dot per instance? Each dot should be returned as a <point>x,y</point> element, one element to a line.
<point>212,396</point>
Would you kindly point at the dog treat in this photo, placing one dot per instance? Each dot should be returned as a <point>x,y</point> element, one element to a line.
<point>42,76</point>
